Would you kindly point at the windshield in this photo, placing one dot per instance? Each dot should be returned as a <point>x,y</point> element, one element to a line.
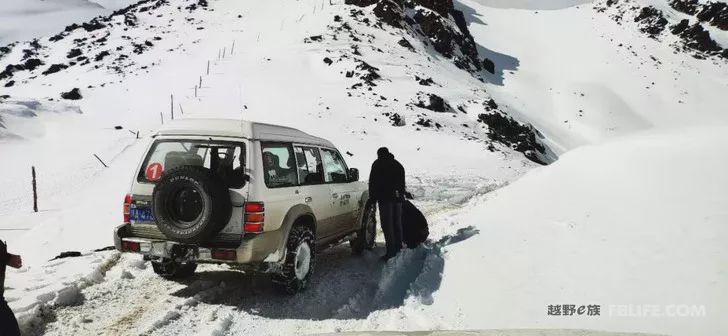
<point>227,159</point>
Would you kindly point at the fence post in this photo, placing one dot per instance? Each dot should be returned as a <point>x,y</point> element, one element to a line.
<point>171,106</point>
<point>102,162</point>
<point>35,191</point>
<point>232,50</point>
<point>161,116</point>
<point>208,67</point>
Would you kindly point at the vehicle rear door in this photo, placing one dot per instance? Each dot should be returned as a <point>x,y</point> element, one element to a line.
<point>317,194</point>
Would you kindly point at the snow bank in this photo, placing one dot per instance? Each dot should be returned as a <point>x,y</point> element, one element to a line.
<point>639,220</point>
<point>34,291</point>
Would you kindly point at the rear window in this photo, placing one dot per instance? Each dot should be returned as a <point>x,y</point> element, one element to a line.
<point>226,159</point>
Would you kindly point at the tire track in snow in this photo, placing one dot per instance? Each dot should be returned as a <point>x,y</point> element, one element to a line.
<point>219,300</point>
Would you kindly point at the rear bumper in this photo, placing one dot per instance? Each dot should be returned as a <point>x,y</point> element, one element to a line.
<point>253,249</point>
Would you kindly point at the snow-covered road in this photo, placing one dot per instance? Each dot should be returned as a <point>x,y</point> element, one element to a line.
<point>127,298</point>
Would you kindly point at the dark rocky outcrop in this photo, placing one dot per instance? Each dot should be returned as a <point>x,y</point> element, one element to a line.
<point>54,68</point>
<point>651,21</point>
<point>715,13</point>
<point>436,22</point>
<point>432,102</point>
<point>370,73</point>
<point>397,120</point>
<point>404,43</point>
<point>100,56</point>
<point>424,81</point>
<point>74,94</point>
<point>506,130</point>
<point>680,27</point>
<point>689,7</point>
<point>28,65</point>
<point>390,12</point>
<point>73,53</point>
<point>696,37</point>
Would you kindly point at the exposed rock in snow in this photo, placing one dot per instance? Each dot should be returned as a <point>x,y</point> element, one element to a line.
<point>432,102</point>
<point>506,130</point>
<point>651,21</point>
<point>74,94</point>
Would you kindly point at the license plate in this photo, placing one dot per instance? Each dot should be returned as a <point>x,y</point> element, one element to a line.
<point>204,253</point>
<point>140,215</point>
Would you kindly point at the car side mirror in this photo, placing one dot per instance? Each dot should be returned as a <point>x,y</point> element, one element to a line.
<point>353,174</point>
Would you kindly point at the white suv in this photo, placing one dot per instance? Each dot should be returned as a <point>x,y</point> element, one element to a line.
<point>260,196</point>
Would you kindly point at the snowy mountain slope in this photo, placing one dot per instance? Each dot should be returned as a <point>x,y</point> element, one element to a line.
<point>26,19</point>
<point>588,78</point>
<point>267,55</point>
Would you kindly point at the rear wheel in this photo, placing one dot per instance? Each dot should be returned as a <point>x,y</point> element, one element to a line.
<point>298,266</point>
<point>367,234</point>
<point>170,269</point>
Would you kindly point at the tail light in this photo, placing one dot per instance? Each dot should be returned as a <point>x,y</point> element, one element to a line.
<point>127,203</point>
<point>130,246</point>
<point>254,217</point>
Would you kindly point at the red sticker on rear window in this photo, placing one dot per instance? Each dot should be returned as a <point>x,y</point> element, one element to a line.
<point>153,172</point>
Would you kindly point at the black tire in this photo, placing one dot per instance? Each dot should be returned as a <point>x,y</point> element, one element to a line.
<point>170,269</point>
<point>191,204</point>
<point>291,279</point>
<point>368,232</point>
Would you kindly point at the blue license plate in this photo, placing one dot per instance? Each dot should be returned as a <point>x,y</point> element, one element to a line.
<point>141,215</point>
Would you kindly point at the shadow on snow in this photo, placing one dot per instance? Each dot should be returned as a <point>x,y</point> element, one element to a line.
<point>343,286</point>
<point>502,62</point>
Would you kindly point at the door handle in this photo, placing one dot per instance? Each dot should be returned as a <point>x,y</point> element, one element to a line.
<point>335,195</point>
<point>308,199</point>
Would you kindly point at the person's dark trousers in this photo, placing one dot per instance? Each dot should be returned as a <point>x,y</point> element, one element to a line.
<point>390,214</point>
<point>8,323</point>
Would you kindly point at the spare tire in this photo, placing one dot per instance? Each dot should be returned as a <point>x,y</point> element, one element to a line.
<point>191,204</point>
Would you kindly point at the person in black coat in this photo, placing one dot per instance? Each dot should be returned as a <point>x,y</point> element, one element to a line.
<point>8,323</point>
<point>387,188</point>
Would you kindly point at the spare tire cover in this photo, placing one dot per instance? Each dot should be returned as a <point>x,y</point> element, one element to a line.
<point>191,204</point>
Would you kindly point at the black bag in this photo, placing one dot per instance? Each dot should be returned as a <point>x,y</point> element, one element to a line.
<point>414,225</point>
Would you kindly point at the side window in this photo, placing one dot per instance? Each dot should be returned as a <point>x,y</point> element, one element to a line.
<point>310,167</point>
<point>333,166</point>
<point>279,165</point>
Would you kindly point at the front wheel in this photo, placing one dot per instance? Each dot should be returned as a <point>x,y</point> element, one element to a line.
<point>367,234</point>
<point>298,266</point>
<point>170,269</point>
